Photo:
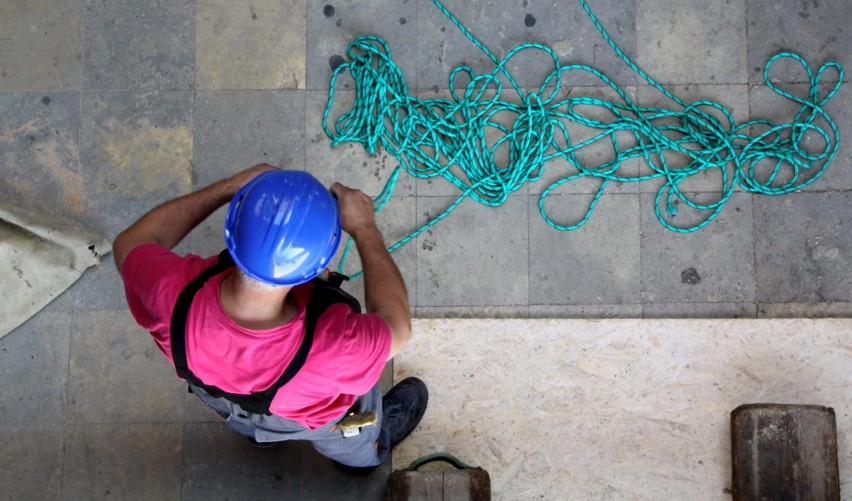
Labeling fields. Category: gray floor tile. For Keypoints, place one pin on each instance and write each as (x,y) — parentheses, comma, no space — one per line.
(31,461)
(766,104)
(840,309)
(118,375)
(147,45)
(498,24)
(712,265)
(502,25)
(699,310)
(692,41)
(257,46)
(819,31)
(803,247)
(221,464)
(733,97)
(333,24)
(592,265)
(586,311)
(39,153)
(100,288)
(35,352)
(126,461)
(571,34)
(41,45)
(476,256)
(136,152)
(473,311)
(348,163)
(235,130)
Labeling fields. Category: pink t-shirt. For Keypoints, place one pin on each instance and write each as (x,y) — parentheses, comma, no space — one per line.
(346,359)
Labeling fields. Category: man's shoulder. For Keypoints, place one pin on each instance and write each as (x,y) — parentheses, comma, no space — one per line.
(153,258)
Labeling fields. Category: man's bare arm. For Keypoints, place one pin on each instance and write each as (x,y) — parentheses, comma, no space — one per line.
(170,222)
(384,289)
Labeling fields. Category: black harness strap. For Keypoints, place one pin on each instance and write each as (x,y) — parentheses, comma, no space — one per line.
(323,295)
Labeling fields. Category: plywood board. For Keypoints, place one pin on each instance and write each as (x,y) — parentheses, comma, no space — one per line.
(616,409)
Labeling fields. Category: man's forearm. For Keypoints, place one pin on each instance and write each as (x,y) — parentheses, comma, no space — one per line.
(170,222)
(384,288)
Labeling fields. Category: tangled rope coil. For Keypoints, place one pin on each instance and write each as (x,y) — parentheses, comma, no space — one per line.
(454,138)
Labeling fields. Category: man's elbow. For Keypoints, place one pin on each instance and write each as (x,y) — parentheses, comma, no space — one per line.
(400,336)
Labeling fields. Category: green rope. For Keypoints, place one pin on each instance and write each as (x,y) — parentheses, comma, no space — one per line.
(439,137)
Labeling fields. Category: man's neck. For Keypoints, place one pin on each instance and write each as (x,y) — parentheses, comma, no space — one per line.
(255,308)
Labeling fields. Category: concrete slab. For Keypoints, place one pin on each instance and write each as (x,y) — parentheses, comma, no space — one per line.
(126,461)
(42,45)
(347,163)
(37,352)
(692,41)
(135,146)
(234,130)
(146,45)
(222,464)
(591,265)
(616,409)
(703,310)
(567,29)
(586,311)
(31,461)
(839,309)
(477,256)
(333,24)
(713,265)
(99,289)
(472,312)
(257,46)
(499,24)
(117,374)
(802,248)
(40,154)
(819,31)
(218,463)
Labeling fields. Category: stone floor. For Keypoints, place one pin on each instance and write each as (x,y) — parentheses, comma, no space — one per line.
(110,107)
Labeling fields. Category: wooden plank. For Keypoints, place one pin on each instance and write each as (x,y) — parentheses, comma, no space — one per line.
(784,452)
(450,485)
(415,486)
(467,485)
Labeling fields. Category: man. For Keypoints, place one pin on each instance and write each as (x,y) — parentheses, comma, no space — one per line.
(240,331)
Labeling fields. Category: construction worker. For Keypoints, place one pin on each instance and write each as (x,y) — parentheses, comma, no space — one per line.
(263,342)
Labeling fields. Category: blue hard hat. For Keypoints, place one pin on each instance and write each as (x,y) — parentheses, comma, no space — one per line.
(282,227)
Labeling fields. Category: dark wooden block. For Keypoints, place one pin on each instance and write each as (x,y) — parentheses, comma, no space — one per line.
(784,452)
(462,484)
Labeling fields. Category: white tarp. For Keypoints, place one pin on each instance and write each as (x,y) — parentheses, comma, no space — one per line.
(39,259)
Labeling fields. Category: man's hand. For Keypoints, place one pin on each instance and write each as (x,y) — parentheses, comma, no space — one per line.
(173,220)
(240,179)
(384,289)
(356,209)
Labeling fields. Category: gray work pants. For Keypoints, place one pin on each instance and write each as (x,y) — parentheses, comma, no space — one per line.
(369,448)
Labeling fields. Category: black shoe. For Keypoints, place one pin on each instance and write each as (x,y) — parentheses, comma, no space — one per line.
(261,445)
(403,408)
